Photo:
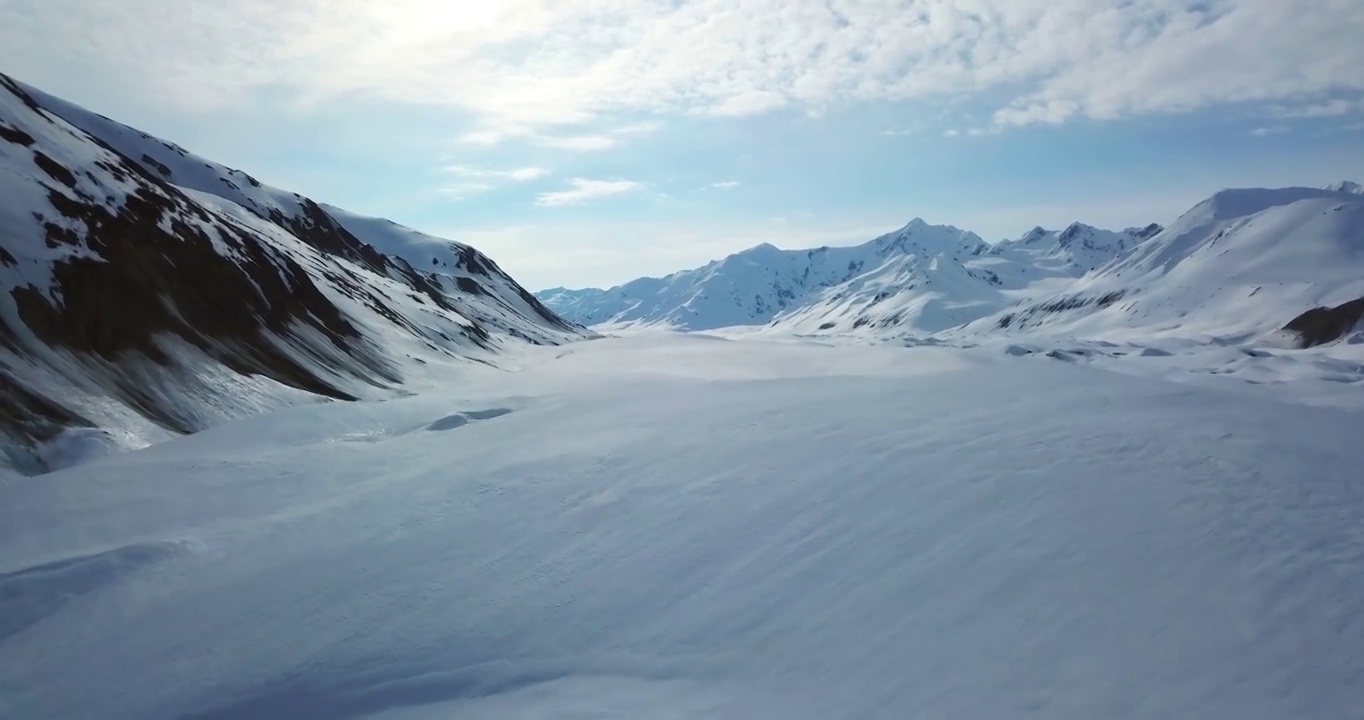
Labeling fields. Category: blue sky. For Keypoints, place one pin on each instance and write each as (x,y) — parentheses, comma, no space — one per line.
(587,143)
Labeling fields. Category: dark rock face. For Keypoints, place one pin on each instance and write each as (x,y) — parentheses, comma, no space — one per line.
(1064,304)
(1322,325)
(120,267)
(175,282)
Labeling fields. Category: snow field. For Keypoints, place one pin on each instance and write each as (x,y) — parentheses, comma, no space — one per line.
(666,525)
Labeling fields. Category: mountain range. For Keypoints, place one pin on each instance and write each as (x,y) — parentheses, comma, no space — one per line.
(147,292)
(1244,263)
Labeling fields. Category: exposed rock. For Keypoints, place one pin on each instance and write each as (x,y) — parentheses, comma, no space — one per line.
(1322,325)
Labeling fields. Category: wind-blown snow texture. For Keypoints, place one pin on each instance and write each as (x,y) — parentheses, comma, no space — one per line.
(146,292)
(675,525)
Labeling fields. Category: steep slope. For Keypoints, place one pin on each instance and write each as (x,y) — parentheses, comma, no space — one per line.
(1240,264)
(146,292)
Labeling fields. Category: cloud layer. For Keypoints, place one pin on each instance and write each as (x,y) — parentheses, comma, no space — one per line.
(536,64)
(582,190)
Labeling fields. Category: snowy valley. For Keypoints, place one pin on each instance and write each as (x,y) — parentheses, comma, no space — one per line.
(268,459)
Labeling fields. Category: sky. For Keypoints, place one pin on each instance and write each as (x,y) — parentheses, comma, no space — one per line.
(589,142)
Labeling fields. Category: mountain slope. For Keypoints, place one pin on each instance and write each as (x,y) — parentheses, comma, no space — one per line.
(1240,264)
(928,289)
(754,286)
(921,277)
(146,292)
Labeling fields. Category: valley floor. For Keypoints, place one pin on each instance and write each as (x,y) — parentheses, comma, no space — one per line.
(661,525)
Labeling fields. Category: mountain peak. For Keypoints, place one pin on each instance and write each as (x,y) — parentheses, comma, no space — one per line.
(1072,231)
(1346,186)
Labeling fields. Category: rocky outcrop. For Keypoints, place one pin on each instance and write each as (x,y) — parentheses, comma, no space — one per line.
(1322,325)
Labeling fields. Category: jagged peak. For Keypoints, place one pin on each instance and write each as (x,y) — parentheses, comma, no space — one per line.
(1346,186)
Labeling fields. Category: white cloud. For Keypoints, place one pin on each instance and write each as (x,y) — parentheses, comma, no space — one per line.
(747,102)
(1269,130)
(541,65)
(518,175)
(1335,107)
(474,181)
(724,185)
(582,190)
(951,133)
(577,143)
(605,140)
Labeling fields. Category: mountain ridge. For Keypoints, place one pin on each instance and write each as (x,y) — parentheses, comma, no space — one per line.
(146,292)
(1289,251)
(733,291)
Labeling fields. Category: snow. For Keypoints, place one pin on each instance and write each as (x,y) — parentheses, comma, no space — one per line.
(422,306)
(757,285)
(922,277)
(690,525)
(1238,265)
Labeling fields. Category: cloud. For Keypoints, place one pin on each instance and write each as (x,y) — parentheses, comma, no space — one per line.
(582,190)
(724,185)
(1331,108)
(537,66)
(1270,130)
(605,140)
(951,133)
(748,102)
(474,181)
(577,143)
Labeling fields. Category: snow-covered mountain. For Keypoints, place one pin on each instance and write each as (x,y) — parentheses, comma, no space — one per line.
(146,292)
(928,289)
(922,277)
(1270,265)
(1245,263)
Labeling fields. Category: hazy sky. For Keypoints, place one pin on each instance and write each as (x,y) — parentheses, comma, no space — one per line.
(586,142)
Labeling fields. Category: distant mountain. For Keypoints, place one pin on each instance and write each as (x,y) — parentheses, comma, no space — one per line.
(145,291)
(1279,265)
(1244,263)
(929,288)
(921,277)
